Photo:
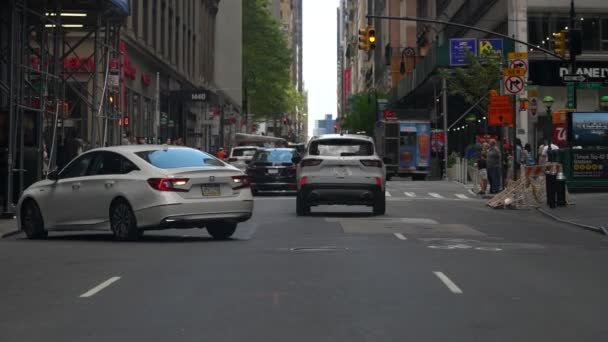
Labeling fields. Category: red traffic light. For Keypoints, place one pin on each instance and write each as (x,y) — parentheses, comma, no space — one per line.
(390,115)
(126,121)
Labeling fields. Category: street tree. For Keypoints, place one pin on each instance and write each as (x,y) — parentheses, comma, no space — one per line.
(361,112)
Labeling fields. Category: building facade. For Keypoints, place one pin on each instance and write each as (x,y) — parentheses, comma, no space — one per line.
(325,126)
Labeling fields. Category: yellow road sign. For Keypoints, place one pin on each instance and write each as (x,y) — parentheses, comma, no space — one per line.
(514,72)
(514,55)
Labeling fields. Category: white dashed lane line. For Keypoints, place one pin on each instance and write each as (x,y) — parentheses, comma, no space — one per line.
(409,194)
(99,287)
(448,282)
(436,195)
(462,196)
(400,236)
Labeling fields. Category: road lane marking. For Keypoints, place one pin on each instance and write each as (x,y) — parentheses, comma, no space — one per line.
(99,287)
(416,220)
(400,236)
(434,194)
(448,283)
(462,196)
(472,192)
(388,194)
(409,194)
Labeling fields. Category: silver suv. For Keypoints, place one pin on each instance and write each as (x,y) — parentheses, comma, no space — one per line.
(341,169)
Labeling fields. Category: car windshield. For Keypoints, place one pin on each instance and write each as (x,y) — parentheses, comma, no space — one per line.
(174,158)
(274,156)
(341,148)
(243,152)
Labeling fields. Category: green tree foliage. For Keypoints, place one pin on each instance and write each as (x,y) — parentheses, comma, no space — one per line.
(476,80)
(266,62)
(361,113)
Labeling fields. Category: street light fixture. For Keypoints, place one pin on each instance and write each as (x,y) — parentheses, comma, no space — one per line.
(548,101)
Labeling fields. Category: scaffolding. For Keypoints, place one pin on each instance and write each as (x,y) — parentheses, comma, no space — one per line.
(60,78)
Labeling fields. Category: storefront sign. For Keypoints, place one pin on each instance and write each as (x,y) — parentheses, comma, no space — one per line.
(590,164)
(550,73)
(589,129)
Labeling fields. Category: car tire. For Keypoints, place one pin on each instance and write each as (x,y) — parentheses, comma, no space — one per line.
(32,222)
(123,222)
(221,230)
(380,205)
(302,208)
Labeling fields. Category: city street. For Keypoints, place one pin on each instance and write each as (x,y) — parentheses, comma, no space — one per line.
(439,266)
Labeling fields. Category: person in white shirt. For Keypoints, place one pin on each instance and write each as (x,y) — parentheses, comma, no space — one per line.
(544,157)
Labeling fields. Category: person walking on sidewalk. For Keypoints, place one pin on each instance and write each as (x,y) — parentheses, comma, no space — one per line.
(483,173)
(493,166)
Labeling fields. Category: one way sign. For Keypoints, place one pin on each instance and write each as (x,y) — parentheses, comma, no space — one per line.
(514,85)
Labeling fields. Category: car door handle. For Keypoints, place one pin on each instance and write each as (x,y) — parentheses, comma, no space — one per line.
(75,186)
(109,184)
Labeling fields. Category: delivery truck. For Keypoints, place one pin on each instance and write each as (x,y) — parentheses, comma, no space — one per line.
(405,147)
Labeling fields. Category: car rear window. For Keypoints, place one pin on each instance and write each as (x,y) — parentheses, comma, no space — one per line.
(243,152)
(174,158)
(274,156)
(341,148)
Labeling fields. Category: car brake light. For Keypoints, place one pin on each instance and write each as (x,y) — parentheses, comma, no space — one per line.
(303,180)
(232,159)
(379,181)
(371,163)
(168,184)
(310,162)
(241,181)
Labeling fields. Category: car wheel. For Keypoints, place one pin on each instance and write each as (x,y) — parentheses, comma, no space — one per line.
(302,208)
(31,221)
(221,230)
(380,205)
(123,222)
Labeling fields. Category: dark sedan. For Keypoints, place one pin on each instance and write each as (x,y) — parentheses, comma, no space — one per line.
(272,169)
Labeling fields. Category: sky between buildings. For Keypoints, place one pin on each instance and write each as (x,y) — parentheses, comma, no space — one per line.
(320,58)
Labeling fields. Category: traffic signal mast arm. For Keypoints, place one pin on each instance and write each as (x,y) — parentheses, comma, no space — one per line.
(443,22)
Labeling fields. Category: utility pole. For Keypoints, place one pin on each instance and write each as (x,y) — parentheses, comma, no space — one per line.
(444,94)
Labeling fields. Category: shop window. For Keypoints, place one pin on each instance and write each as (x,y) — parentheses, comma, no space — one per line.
(591,27)
(604,34)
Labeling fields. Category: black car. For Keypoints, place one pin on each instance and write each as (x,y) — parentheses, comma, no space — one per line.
(272,169)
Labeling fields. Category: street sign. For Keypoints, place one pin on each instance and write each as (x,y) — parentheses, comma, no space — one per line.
(513,72)
(533,108)
(500,111)
(570,88)
(574,78)
(515,55)
(514,85)
(459,48)
(489,47)
(519,63)
(590,86)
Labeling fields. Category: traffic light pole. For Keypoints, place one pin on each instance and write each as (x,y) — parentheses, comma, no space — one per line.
(572,52)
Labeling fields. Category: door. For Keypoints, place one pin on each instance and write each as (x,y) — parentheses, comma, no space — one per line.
(67,195)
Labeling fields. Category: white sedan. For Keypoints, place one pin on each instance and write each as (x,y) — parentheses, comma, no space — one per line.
(129,189)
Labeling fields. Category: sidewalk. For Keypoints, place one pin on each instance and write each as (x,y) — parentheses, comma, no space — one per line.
(7,227)
(588,210)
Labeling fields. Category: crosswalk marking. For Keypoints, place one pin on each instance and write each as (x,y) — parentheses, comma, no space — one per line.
(388,194)
(409,194)
(436,195)
(462,196)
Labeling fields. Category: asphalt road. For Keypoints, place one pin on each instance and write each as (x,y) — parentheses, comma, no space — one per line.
(438,267)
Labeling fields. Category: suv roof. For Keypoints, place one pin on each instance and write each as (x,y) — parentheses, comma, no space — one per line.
(343,136)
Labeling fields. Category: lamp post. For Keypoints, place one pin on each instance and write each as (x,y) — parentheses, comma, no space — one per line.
(548,101)
(604,102)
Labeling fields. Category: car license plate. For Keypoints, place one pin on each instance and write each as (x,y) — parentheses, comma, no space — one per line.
(273,171)
(340,172)
(211,190)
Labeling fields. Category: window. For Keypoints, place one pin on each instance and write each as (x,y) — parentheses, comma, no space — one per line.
(146,18)
(604,35)
(274,156)
(78,167)
(135,15)
(110,163)
(173,158)
(154,26)
(172,51)
(591,28)
(163,33)
(243,152)
(341,148)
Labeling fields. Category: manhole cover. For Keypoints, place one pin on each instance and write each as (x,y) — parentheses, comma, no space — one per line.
(318,249)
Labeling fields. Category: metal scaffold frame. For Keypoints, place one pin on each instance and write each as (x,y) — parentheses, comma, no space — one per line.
(43,85)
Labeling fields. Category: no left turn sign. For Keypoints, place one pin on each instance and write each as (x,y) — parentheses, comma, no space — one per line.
(514,85)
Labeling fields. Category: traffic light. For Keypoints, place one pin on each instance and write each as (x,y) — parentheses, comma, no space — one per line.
(363,40)
(575,41)
(371,37)
(559,43)
(126,121)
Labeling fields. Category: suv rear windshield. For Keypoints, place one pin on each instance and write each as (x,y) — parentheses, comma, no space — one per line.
(274,156)
(341,148)
(174,158)
(243,152)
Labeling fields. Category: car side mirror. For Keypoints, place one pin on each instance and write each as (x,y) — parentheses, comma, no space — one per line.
(296,159)
(53,175)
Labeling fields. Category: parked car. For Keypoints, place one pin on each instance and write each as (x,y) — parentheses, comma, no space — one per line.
(133,188)
(341,169)
(240,156)
(273,169)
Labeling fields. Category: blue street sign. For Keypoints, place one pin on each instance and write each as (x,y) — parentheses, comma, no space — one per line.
(487,46)
(459,48)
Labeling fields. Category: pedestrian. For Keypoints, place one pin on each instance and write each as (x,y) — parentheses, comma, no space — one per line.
(528,155)
(541,147)
(519,159)
(179,142)
(482,168)
(221,154)
(493,166)
(128,138)
(141,141)
(168,141)
(546,155)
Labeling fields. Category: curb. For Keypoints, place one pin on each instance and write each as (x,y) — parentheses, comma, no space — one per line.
(11,233)
(600,230)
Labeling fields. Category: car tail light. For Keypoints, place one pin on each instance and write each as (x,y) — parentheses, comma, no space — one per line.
(232,159)
(371,163)
(241,181)
(303,180)
(310,162)
(168,184)
(379,181)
